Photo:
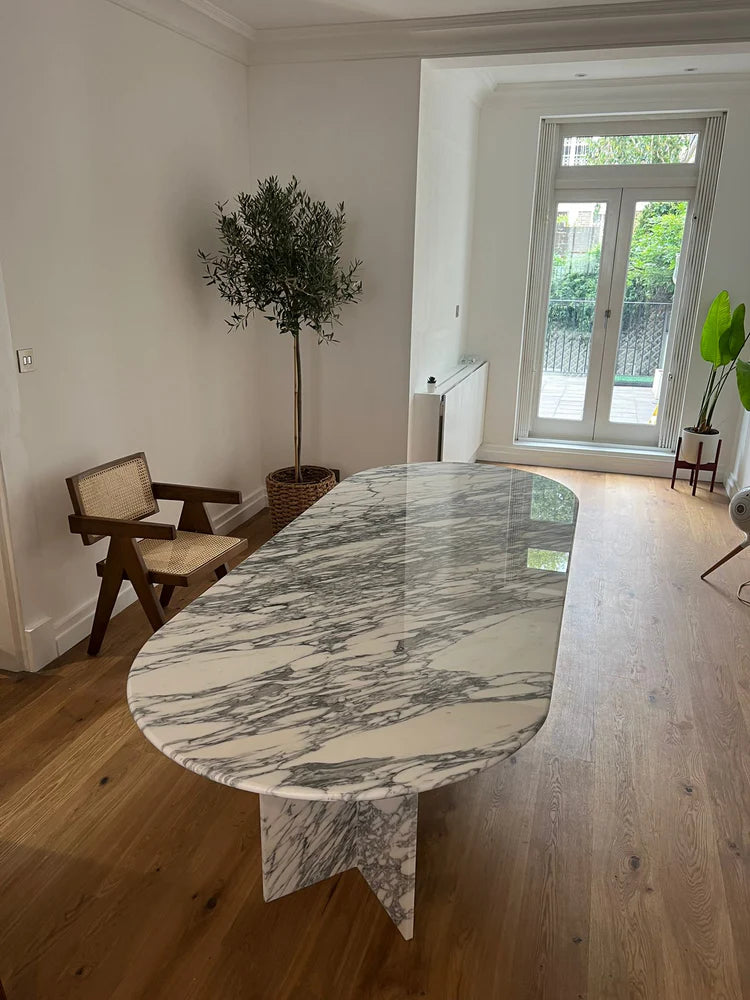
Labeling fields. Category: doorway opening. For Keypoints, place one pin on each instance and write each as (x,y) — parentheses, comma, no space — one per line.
(619,223)
(611,296)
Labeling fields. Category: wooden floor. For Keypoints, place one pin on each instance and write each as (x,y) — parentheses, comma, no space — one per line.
(609,859)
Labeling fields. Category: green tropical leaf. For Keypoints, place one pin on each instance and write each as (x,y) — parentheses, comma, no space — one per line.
(743,382)
(736,335)
(718,322)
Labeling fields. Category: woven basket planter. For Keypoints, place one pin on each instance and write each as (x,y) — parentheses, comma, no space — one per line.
(287,499)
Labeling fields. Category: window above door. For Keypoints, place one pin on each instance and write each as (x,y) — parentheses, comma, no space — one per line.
(625,153)
(629,150)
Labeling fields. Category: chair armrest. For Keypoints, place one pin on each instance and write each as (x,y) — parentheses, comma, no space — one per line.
(199,494)
(81,524)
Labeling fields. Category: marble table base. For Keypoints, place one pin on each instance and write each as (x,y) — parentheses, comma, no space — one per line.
(305,842)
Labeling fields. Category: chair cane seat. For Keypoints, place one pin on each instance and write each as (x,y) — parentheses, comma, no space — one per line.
(110,500)
(187,553)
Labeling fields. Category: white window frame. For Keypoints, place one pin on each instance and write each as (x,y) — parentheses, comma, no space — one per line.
(553,179)
(547,428)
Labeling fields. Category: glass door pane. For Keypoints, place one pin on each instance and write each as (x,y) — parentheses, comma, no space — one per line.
(650,280)
(574,286)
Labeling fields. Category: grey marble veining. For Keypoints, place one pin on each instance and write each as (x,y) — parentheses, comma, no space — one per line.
(400,635)
(387,855)
(306,842)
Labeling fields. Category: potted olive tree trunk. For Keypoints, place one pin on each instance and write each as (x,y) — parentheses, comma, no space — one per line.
(722,340)
(281,255)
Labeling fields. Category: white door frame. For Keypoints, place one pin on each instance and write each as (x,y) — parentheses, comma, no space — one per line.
(594,425)
(646,435)
(583,429)
(552,178)
(8,570)
(13,476)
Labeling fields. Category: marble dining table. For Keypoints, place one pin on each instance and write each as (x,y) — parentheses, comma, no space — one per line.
(398,636)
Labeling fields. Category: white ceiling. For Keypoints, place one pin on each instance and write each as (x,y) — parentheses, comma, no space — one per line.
(302,13)
(680,61)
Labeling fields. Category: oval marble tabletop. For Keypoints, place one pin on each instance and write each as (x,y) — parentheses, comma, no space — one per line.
(400,635)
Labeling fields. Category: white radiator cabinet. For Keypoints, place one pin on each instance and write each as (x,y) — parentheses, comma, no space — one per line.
(448,421)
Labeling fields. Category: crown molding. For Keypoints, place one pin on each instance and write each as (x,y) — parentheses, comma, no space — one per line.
(222,16)
(572,28)
(646,96)
(576,27)
(199,20)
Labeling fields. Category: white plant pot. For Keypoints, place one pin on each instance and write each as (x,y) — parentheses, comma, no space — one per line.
(690,442)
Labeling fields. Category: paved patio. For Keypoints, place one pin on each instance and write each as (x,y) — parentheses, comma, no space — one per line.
(562,398)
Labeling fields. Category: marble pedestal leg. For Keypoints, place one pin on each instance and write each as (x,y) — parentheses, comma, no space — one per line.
(305,842)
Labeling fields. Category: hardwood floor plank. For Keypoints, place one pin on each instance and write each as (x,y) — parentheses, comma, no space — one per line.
(608,860)
(626,952)
(551,955)
(720,740)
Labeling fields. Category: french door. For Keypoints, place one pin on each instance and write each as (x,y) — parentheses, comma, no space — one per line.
(613,294)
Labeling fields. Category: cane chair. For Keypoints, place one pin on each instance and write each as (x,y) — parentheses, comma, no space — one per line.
(110,501)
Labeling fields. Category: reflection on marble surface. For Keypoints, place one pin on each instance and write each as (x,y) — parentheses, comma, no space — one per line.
(392,639)
(306,842)
(400,635)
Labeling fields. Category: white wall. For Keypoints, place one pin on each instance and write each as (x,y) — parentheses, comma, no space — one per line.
(348,131)
(118,136)
(505,182)
(446,169)
(739,477)
(448,130)
(13,505)
(7,637)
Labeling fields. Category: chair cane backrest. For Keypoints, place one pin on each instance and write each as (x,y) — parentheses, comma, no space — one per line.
(120,489)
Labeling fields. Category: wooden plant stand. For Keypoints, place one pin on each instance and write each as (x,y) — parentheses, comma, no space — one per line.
(696,467)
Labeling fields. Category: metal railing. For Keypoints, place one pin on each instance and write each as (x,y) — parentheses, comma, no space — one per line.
(643,336)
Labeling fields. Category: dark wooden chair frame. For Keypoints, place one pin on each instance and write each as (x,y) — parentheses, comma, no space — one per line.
(124,560)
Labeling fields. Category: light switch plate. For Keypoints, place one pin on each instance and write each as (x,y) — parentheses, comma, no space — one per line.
(25,360)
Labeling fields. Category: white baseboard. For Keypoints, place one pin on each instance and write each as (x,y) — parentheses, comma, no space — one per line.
(251,505)
(569,456)
(77,625)
(41,648)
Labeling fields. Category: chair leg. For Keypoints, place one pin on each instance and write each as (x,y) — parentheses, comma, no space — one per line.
(221,571)
(730,555)
(110,588)
(133,564)
(166,594)
(147,597)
